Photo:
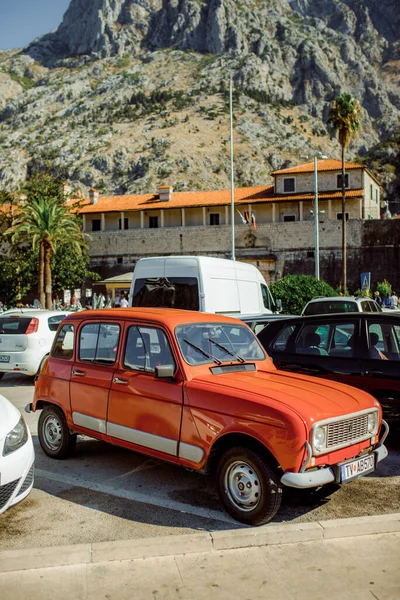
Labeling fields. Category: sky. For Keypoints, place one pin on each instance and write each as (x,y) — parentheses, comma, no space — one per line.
(21,21)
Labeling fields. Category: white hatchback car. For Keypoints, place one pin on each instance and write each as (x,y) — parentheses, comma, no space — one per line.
(26,338)
(17,456)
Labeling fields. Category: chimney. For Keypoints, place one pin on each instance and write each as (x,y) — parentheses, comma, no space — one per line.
(165,193)
(93,196)
(67,189)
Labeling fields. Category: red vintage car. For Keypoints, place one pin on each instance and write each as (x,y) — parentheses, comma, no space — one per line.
(198,390)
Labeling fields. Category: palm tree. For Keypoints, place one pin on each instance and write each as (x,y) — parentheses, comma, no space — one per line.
(344,118)
(47,223)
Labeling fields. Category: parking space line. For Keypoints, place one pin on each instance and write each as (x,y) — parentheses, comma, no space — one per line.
(137,497)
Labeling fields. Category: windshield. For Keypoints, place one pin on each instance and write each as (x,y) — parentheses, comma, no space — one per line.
(203,343)
(325,307)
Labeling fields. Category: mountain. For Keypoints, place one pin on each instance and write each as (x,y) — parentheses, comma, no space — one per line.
(126,94)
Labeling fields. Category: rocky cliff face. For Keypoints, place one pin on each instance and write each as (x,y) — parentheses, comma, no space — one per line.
(122,68)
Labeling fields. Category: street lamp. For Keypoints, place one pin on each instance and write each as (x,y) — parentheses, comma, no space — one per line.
(316,211)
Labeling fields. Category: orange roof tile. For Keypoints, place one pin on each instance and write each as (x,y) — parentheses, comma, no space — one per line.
(178,200)
(250,195)
(330,164)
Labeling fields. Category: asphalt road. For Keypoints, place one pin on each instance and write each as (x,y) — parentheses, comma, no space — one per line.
(107,493)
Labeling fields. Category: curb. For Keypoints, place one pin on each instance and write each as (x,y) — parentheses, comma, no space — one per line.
(266,535)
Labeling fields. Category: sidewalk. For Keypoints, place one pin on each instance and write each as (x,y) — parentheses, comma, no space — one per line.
(343,559)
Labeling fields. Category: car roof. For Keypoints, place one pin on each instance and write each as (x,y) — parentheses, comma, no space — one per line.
(33,312)
(347,316)
(338,298)
(167,316)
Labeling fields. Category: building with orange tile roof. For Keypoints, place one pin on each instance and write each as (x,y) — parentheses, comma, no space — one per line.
(290,198)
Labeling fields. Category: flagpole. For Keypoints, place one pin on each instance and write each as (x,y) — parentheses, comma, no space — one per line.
(232,180)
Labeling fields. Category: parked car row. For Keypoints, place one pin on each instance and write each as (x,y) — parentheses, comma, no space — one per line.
(198,390)
(360,349)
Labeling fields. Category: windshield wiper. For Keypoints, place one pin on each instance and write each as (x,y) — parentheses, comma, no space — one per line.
(203,352)
(239,358)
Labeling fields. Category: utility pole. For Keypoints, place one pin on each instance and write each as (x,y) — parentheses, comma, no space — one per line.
(232,178)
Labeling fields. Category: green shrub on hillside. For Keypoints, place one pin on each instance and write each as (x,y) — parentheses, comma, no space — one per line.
(296,290)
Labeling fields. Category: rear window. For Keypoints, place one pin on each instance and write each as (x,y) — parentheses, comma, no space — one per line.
(325,307)
(171,292)
(53,322)
(14,325)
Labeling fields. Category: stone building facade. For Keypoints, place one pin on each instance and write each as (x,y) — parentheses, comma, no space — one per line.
(274,225)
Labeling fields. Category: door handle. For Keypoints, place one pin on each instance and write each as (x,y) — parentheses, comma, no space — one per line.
(375,372)
(120,381)
(80,373)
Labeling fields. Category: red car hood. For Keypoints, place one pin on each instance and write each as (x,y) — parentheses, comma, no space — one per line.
(314,399)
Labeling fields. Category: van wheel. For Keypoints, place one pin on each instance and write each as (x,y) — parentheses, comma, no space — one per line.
(248,486)
(54,435)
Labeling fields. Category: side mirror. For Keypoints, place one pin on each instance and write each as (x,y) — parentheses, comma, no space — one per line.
(278,304)
(164,372)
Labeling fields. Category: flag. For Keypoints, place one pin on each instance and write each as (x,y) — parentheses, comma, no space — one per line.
(242,217)
(247,216)
(253,220)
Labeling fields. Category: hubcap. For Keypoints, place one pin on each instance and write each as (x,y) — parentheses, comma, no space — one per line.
(52,432)
(243,486)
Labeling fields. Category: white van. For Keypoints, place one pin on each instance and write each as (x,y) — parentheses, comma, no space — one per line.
(214,285)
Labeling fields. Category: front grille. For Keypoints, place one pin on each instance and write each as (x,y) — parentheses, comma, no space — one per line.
(28,481)
(347,431)
(6,492)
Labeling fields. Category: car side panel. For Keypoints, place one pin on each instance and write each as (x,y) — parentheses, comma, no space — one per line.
(53,384)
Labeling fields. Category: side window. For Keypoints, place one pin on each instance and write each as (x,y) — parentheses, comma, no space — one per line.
(365,307)
(53,322)
(384,341)
(343,340)
(266,296)
(64,343)
(313,340)
(147,348)
(98,342)
(283,338)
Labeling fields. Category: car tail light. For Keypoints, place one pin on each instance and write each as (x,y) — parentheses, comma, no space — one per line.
(33,326)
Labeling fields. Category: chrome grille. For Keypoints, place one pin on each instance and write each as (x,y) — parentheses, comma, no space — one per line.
(347,431)
(6,492)
(28,481)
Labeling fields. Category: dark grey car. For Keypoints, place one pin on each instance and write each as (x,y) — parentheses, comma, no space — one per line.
(360,349)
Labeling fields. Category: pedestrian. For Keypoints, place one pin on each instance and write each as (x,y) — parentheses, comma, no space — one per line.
(117,301)
(394,301)
(386,301)
(100,301)
(123,302)
(378,298)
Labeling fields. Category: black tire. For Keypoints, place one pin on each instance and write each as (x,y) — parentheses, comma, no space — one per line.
(1,375)
(54,436)
(260,497)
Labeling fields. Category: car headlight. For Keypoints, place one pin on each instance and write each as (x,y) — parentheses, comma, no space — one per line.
(373,423)
(17,437)
(319,438)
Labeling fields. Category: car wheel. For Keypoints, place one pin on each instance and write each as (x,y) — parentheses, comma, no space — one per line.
(1,375)
(248,486)
(54,435)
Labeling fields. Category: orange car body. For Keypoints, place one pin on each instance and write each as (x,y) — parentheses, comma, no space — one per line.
(183,418)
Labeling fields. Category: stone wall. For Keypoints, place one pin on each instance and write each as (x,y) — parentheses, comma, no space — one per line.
(276,248)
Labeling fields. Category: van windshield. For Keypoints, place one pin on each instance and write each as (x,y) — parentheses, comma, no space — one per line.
(163,292)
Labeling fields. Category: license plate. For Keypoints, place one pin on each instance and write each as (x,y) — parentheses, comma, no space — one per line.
(358,467)
(4,358)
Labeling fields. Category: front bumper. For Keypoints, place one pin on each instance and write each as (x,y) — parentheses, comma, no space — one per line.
(17,475)
(319,477)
